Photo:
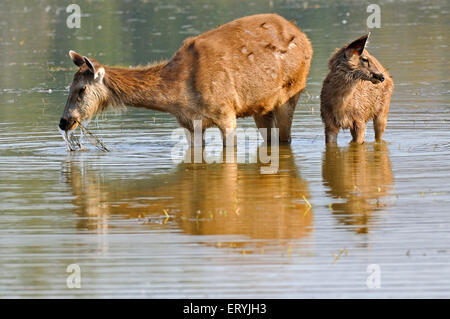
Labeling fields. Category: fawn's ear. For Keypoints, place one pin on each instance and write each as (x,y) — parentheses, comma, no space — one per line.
(357,46)
(76,58)
(98,71)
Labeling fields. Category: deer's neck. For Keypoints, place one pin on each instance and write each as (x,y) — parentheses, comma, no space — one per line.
(342,88)
(139,87)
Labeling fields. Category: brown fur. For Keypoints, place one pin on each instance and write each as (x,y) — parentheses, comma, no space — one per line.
(352,94)
(254,66)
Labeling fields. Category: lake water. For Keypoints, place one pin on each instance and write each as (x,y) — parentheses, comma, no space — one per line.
(139,224)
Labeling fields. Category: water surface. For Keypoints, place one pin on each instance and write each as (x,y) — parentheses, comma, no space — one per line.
(140,225)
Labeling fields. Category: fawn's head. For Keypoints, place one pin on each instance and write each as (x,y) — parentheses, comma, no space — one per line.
(87,95)
(358,62)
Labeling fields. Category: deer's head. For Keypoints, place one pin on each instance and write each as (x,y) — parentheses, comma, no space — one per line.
(361,63)
(87,95)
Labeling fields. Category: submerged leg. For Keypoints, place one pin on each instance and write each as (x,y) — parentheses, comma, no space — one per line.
(265,123)
(379,125)
(358,132)
(195,138)
(331,133)
(283,116)
(228,129)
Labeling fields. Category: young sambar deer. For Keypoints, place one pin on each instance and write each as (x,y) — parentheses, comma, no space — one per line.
(254,66)
(356,89)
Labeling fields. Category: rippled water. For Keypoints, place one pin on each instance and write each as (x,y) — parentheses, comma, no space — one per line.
(140,225)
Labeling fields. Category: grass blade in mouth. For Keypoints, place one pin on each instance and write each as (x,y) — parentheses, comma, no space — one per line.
(93,139)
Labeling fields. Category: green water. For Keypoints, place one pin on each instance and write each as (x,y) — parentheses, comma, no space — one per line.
(140,225)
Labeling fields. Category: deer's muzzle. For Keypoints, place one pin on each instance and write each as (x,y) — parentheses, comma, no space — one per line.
(67,124)
(377,78)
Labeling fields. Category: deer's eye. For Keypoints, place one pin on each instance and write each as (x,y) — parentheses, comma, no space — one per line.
(80,93)
(365,60)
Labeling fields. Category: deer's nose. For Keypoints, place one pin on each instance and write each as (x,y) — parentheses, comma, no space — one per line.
(65,124)
(379,76)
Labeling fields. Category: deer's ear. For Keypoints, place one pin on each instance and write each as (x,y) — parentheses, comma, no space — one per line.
(357,46)
(76,58)
(98,72)
(89,64)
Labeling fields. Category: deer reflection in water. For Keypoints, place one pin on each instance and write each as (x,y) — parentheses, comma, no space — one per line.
(360,178)
(201,199)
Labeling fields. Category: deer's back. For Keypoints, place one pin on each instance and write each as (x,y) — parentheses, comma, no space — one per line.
(252,64)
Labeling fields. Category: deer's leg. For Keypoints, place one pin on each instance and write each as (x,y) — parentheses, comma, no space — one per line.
(380,119)
(358,132)
(228,129)
(283,116)
(265,123)
(189,136)
(379,125)
(194,138)
(195,132)
(331,133)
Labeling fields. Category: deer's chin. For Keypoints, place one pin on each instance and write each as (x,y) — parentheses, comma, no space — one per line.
(74,126)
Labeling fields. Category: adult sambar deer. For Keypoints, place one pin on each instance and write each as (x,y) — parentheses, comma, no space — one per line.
(356,89)
(254,66)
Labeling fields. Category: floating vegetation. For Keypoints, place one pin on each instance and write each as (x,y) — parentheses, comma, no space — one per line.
(167,216)
(308,205)
(342,252)
(73,142)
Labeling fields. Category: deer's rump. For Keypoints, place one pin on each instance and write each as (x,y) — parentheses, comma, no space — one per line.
(251,65)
